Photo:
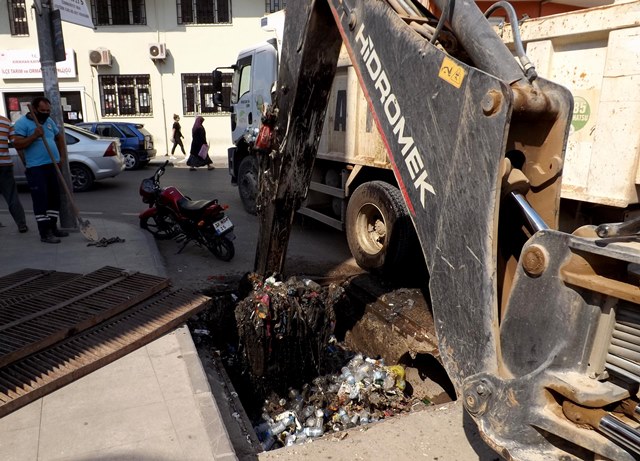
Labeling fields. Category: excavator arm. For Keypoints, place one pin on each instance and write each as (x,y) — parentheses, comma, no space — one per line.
(525,314)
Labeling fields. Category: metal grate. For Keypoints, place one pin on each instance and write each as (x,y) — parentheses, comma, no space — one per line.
(29,283)
(32,377)
(37,322)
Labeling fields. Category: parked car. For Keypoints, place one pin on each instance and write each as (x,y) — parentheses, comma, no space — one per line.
(136,143)
(91,158)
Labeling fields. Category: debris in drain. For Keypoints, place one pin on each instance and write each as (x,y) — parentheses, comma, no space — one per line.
(276,338)
(364,392)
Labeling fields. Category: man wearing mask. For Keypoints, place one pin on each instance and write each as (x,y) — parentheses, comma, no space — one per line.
(40,171)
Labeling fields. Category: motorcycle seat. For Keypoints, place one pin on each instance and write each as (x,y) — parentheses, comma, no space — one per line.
(195,205)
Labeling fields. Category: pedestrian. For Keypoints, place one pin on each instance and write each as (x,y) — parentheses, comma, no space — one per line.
(176,135)
(7,181)
(199,139)
(40,170)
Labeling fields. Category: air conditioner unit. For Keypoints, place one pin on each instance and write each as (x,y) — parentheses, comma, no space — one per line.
(100,57)
(157,50)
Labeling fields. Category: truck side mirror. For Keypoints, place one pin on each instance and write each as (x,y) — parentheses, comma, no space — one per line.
(217,98)
(217,80)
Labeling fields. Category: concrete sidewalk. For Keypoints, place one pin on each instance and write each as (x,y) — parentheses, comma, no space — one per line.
(153,404)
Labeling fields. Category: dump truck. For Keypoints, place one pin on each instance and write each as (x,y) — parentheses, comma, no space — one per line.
(352,166)
(538,328)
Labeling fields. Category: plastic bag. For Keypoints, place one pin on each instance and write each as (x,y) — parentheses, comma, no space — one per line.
(204,151)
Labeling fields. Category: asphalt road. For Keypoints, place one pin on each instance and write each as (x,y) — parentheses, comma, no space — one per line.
(314,249)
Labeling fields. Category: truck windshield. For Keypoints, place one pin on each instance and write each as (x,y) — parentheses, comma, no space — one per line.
(241,79)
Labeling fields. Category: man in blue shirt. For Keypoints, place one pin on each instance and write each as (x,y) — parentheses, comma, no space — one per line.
(40,170)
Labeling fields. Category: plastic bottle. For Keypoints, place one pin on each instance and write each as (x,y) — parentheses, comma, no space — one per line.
(344,417)
(378,377)
(268,443)
(263,430)
(356,361)
(279,427)
(311,285)
(308,411)
(310,422)
(290,440)
(362,371)
(313,431)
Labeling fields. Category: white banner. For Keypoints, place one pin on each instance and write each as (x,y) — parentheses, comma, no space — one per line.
(21,64)
(74,11)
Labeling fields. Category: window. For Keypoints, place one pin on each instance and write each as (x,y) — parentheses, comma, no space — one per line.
(197,94)
(271,6)
(241,79)
(18,17)
(118,12)
(204,11)
(123,95)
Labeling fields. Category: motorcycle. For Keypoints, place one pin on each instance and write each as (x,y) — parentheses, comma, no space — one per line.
(174,215)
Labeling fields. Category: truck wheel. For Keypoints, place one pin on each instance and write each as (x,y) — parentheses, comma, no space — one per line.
(248,183)
(379,230)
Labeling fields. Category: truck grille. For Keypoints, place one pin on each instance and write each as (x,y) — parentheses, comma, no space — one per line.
(623,357)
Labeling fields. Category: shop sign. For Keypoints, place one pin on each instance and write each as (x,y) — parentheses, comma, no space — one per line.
(74,11)
(21,64)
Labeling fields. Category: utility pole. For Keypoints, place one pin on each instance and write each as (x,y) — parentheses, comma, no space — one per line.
(46,41)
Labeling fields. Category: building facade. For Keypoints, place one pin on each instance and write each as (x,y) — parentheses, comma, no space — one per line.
(143,61)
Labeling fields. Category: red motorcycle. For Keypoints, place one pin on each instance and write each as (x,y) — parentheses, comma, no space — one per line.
(174,215)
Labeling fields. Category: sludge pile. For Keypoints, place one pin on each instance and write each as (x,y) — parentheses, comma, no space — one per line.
(284,328)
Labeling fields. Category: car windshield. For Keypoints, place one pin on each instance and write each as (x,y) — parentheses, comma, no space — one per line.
(80,130)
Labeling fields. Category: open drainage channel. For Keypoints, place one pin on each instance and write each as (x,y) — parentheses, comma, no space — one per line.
(309,359)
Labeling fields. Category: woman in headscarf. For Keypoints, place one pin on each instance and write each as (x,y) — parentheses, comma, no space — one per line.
(199,138)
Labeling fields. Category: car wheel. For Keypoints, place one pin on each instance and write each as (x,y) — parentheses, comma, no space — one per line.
(81,177)
(131,161)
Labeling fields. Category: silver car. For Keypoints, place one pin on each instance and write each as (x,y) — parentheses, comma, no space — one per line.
(91,158)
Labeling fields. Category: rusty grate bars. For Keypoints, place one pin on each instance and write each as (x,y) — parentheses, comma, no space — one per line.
(32,377)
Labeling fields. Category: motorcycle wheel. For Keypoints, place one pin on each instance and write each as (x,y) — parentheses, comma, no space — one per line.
(221,247)
(163,227)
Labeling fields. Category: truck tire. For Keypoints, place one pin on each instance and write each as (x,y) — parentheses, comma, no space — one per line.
(248,183)
(379,230)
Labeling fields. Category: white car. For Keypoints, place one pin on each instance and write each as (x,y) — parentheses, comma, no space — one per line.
(91,158)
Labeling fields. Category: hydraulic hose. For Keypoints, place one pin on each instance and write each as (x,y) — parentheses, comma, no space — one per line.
(487,51)
(527,65)
(443,17)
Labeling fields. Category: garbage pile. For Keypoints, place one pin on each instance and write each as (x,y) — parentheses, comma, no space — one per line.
(284,328)
(365,391)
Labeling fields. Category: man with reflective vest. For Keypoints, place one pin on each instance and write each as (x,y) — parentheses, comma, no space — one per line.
(8,187)
(41,174)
